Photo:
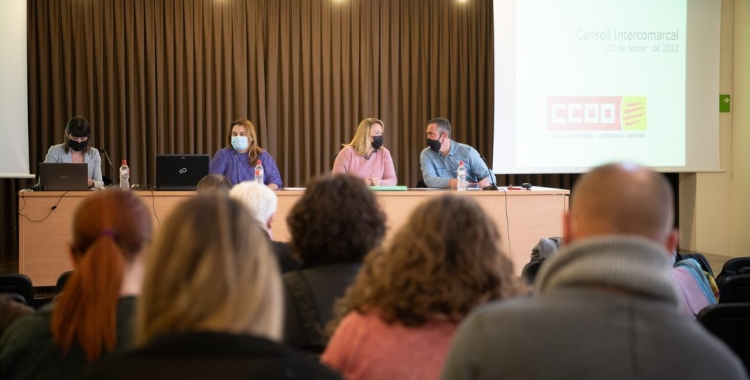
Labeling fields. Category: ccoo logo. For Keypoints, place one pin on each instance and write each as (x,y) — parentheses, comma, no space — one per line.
(596,113)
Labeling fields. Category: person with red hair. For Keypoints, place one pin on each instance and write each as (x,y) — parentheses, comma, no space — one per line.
(91,317)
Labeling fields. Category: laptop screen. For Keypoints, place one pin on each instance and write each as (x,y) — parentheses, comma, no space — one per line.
(63,176)
(180,171)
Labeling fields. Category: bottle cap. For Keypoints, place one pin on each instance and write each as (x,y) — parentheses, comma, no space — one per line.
(258,162)
(124,162)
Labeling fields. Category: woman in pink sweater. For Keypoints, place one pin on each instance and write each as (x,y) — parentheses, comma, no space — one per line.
(410,295)
(365,156)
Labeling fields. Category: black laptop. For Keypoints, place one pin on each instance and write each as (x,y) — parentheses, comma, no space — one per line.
(63,176)
(180,171)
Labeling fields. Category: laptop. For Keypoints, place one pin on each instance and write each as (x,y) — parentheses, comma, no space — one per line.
(63,176)
(180,171)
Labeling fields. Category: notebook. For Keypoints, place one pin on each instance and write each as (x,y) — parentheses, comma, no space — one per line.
(180,171)
(63,176)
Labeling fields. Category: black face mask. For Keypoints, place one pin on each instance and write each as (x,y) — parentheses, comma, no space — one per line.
(77,146)
(434,144)
(377,142)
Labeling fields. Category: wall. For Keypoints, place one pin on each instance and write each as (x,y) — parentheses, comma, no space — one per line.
(714,207)
(740,193)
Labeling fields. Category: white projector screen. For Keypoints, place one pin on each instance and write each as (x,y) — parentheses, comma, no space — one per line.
(14,106)
(579,83)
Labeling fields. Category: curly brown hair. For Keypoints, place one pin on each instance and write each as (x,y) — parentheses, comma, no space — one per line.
(443,262)
(337,220)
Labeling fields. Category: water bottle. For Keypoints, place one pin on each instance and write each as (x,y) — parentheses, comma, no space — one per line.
(124,176)
(259,173)
(461,177)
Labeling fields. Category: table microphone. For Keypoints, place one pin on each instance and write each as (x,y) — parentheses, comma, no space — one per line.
(493,186)
(104,152)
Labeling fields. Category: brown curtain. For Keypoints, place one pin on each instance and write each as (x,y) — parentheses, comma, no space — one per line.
(167,76)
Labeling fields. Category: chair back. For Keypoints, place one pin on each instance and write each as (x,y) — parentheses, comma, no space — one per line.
(731,324)
(735,289)
(699,258)
(530,270)
(61,281)
(735,266)
(18,284)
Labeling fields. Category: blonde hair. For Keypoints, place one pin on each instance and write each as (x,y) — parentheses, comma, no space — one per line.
(445,260)
(254,150)
(210,268)
(361,140)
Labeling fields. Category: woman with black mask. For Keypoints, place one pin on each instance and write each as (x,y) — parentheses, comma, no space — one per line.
(365,156)
(75,149)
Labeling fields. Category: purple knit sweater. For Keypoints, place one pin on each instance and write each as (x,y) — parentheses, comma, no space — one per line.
(237,167)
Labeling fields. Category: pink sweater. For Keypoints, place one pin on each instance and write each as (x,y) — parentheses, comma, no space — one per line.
(366,348)
(379,165)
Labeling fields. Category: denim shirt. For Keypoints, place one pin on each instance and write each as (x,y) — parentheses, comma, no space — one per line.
(437,170)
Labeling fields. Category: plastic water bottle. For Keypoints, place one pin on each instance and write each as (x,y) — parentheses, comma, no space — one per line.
(461,176)
(259,174)
(124,175)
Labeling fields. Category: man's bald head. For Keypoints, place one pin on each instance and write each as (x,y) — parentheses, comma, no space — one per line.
(622,199)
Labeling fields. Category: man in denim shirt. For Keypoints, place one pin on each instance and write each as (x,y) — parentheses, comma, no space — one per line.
(441,158)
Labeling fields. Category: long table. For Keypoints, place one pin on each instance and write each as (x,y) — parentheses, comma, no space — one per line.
(44,220)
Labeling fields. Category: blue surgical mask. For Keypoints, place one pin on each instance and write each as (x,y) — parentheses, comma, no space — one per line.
(240,143)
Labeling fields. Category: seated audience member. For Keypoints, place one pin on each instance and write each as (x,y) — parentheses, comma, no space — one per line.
(214,184)
(91,318)
(333,226)
(75,149)
(10,310)
(365,156)
(410,295)
(262,202)
(238,159)
(211,306)
(696,292)
(606,306)
(442,156)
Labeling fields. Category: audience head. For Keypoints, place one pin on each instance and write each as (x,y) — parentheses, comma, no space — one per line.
(110,231)
(214,184)
(338,219)
(210,269)
(365,135)
(77,133)
(622,199)
(445,260)
(259,199)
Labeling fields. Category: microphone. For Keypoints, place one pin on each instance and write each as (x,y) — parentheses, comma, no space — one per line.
(104,152)
(493,185)
(236,168)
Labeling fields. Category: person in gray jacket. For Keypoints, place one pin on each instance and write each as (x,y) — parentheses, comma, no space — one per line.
(605,307)
(76,149)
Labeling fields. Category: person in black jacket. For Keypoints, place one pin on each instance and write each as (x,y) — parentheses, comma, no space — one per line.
(333,226)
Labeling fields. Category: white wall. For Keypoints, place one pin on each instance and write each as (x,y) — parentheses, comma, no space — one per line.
(740,194)
(715,207)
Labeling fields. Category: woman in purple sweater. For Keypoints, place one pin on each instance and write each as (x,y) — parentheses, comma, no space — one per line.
(238,159)
(365,156)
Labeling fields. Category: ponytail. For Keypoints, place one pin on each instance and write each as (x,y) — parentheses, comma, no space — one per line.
(86,312)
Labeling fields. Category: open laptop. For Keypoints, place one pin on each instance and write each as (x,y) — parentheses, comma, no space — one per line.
(180,171)
(63,176)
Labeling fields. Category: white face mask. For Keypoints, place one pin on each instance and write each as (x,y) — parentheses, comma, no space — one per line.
(240,142)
